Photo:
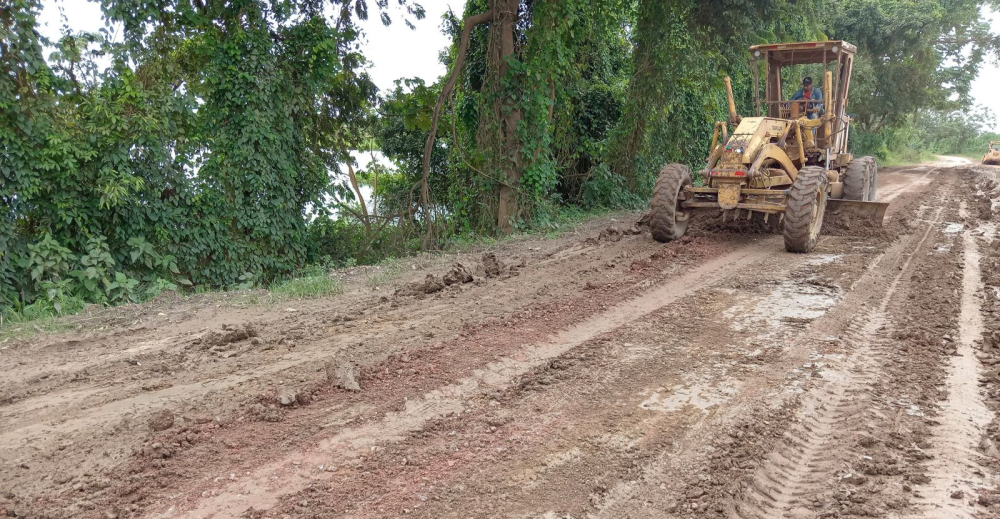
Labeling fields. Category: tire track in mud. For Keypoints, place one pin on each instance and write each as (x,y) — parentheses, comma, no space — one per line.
(801,468)
(955,469)
(840,402)
(266,485)
(890,193)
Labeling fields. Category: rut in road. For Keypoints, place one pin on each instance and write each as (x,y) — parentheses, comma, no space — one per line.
(801,468)
(955,469)
(264,487)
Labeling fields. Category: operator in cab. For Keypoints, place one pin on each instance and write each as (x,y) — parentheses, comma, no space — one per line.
(808,92)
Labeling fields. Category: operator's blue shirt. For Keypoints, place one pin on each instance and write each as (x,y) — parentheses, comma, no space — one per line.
(815,95)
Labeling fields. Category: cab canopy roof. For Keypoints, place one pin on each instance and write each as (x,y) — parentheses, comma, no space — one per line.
(803,53)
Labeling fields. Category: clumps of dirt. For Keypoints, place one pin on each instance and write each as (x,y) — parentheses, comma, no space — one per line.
(706,223)
(269,407)
(343,375)
(841,224)
(230,341)
(228,335)
(643,222)
(429,285)
(161,421)
(458,274)
(615,234)
(492,265)
(986,202)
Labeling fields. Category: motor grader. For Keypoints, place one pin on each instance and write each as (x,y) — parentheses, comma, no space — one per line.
(790,160)
(992,156)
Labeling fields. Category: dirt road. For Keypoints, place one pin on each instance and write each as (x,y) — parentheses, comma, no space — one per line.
(595,374)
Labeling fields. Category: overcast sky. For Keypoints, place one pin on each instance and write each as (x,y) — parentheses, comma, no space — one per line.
(394,51)
(397,52)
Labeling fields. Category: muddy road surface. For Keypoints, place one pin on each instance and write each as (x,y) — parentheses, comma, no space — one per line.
(596,374)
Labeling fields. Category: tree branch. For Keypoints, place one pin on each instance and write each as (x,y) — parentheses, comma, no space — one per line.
(449,85)
(361,198)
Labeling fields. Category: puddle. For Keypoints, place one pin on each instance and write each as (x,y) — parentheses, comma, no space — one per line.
(823,259)
(787,304)
(667,400)
(954,228)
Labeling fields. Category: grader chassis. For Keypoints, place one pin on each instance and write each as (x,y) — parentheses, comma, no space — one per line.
(790,160)
(992,156)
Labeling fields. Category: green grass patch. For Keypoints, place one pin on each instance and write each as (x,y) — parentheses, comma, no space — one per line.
(311,283)
(907,156)
(308,287)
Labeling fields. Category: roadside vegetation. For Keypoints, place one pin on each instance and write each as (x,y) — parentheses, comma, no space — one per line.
(215,152)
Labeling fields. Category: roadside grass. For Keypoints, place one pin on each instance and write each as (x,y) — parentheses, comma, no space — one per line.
(308,283)
(906,156)
(15,326)
(387,272)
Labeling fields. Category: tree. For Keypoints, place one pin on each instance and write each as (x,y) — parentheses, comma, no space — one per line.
(912,55)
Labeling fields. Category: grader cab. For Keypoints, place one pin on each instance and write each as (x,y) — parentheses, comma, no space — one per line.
(790,160)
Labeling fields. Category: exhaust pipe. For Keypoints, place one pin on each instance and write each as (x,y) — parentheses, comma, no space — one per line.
(733,117)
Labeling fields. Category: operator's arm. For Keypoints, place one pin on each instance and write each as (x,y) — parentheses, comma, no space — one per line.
(799,94)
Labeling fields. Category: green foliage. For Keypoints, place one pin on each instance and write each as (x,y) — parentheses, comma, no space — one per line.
(199,156)
(929,132)
(913,55)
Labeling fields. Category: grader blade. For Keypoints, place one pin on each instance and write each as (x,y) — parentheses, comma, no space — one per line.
(873,212)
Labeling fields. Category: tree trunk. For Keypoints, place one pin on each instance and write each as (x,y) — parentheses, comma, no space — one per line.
(505,21)
(366,220)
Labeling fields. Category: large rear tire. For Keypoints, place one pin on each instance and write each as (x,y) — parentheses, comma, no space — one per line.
(804,212)
(857,179)
(873,178)
(668,219)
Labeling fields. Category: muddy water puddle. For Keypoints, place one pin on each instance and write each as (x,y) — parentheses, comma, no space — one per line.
(790,303)
(953,227)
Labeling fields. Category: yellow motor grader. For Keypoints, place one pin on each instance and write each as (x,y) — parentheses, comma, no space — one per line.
(992,156)
(790,160)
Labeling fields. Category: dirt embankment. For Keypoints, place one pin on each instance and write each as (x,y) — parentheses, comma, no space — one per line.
(597,374)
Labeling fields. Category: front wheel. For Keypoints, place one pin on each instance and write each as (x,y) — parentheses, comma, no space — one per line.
(804,212)
(668,218)
(857,179)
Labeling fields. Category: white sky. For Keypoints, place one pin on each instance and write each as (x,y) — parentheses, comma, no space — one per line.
(397,52)
(984,88)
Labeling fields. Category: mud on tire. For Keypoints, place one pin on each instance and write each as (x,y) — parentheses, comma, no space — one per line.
(857,179)
(804,212)
(668,220)
(872,178)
